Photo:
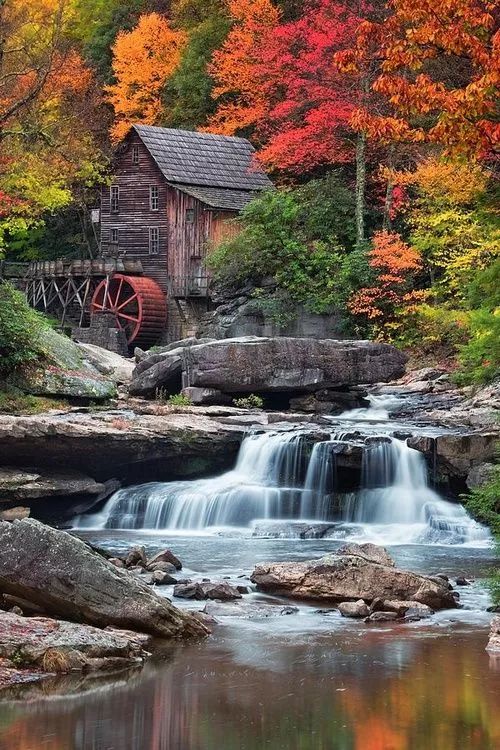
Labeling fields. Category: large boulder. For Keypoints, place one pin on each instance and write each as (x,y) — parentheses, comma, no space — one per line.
(350,577)
(252,364)
(65,577)
(65,373)
(160,371)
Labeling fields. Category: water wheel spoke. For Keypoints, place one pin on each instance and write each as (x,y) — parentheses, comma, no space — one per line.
(128,317)
(117,295)
(124,304)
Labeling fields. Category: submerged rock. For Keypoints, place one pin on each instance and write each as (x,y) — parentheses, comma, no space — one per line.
(248,610)
(221,591)
(340,577)
(63,575)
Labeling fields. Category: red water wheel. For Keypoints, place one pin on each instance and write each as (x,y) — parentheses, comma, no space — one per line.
(138,305)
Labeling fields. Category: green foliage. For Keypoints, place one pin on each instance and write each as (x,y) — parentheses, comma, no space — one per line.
(480,357)
(431,326)
(15,401)
(293,237)
(174,399)
(21,330)
(484,504)
(252,401)
(187,98)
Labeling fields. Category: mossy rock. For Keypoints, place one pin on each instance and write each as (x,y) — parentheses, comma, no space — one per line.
(64,373)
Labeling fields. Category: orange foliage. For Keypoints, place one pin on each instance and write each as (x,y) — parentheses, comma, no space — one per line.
(395,262)
(143,59)
(234,65)
(415,48)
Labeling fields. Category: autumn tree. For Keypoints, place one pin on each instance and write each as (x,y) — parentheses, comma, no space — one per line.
(143,60)
(241,88)
(48,115)
(394,264)
(438,72)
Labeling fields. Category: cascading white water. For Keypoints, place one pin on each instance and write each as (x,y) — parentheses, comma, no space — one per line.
(395,492)
(275,479)
(265,483)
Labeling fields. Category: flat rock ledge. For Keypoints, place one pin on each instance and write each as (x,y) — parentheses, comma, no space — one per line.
(356,572)
(34,647)
(64,578)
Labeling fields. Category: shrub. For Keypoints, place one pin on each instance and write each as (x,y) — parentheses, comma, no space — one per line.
(480,357)
(303,239)
(484,504)
(175,399)
(249,402)
(21,330)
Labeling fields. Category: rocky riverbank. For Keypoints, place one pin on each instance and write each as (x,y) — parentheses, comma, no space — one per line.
(66,607)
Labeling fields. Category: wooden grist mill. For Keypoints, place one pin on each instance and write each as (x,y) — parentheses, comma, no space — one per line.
(75,290)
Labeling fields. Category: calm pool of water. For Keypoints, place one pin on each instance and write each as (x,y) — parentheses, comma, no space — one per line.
(308,681)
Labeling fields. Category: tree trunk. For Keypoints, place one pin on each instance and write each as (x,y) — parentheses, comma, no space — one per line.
(360,187)
(389,193)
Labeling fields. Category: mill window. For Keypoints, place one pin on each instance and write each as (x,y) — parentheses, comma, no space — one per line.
(113,199)
(189,215)
(154,240)
(154,198)
(135,154)
(113,236)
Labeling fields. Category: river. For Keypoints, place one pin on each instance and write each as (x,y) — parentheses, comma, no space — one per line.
(310,679)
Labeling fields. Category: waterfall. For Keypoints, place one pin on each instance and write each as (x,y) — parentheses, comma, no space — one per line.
(395,491)
(278,476)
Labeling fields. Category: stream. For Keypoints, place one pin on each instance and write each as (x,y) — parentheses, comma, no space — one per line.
(304,678)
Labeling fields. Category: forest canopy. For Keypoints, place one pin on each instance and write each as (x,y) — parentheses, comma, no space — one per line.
(377,121)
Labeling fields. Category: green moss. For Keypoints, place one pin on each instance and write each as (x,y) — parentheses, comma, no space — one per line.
(15,401)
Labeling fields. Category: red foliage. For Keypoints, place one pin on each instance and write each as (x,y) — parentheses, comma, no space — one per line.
(287,86)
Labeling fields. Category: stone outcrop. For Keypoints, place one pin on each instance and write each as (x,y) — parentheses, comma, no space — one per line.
(116,445)
(349,577)
(42,491)
(456,455)
(267,365)
(494,639)
(58,646)
(65,577)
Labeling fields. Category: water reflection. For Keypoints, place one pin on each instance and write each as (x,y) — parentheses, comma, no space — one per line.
(369,690)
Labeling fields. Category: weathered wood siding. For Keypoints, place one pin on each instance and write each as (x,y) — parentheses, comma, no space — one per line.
(187,226)
(134,216)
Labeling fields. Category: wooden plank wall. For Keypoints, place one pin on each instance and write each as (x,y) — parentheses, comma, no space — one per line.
(183,244)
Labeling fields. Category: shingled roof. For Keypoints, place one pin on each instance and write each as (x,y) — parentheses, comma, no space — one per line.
(219,170)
